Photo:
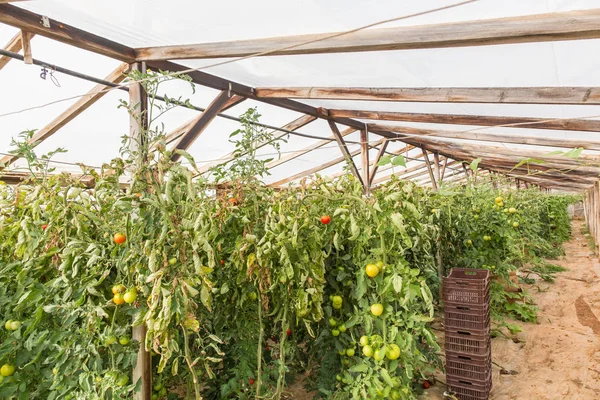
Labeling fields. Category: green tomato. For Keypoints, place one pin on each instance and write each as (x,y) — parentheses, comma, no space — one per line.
(338,378)
(8,325)
(379,354)
(367,351)
(364,340)
(332,321)
(157,386)
(98,379)
(252,296)
(124,340)
(172,261)
(154,396)
(122,380)
(342,328)
(469,242)
(54,371)
(337,300)
(377,309)
(7,370)
(14,325)
(515,224)
(110,339)
(512,210)
(342,352)
(335,332)
(350,352)
(130,296)
(282,279)
(337,306)
(163,392)
(392,352)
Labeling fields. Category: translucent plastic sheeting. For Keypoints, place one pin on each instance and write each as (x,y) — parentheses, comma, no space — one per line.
(94,136)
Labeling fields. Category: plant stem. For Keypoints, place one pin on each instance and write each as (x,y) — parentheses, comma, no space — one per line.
(188,360)
(281,378)
(260,338)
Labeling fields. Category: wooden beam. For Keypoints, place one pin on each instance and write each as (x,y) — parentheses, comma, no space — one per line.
(26,43)
(444,169)
(382,149)
(364,152)
(61,32)
(80,106)
(138,108)
(17,177)
(316,169)
(429,170)
(221,102)
(573,124)
(342,144)
(491,137)
(504,95)
(292,126)
(296,154)
(14,46)
(436,168)
(570,25)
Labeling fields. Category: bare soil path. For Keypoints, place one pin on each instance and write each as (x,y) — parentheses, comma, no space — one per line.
(559,357)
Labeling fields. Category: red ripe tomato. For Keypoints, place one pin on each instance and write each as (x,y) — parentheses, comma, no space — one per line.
(119,238)
(325,219)
(251,381)
(233,201)
(289,332)
(44,227)
(426,384)
(267,348)
(222,262)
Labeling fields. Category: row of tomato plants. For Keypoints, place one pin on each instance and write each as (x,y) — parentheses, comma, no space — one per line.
(238,290)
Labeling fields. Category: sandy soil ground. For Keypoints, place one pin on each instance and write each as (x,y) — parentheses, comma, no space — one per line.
(559,357)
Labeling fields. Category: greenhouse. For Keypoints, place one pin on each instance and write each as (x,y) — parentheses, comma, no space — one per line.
(299,200)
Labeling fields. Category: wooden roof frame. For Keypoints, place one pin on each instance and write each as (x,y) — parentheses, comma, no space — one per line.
(524,29)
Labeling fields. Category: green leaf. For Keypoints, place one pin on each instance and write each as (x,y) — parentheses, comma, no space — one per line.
(386,376)
(399,160)
(385,160)
(359,368)
(474,164)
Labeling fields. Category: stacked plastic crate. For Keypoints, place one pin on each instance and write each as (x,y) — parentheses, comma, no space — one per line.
(467,332)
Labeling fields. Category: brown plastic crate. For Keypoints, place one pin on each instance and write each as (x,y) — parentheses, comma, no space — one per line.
(467,342)
(460,366)
(467,317)
(467,286)
(466,390)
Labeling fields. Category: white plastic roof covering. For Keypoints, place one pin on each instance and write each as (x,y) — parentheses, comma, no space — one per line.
(94,136)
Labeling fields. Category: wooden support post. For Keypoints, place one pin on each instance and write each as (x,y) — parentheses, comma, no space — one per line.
(26,43)
(436,168)
(430,170)
(138,102)
(364,151)
(382,149)
(15,45)
(444,169)
(342,144)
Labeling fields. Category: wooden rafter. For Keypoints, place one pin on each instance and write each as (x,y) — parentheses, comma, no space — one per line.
(80,106)
(292,126)
(14,46)
(572,124)
(569,25)
(504,95)
(490,137)
(221,102)
(61,32)
(344,149)
(436,168)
